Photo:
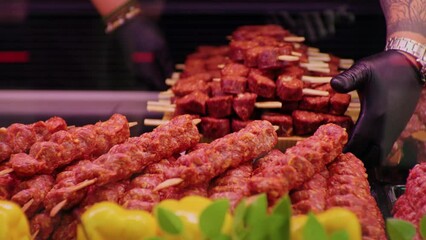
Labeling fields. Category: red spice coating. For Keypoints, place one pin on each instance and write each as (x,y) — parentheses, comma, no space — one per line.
(232,150)
(67,146)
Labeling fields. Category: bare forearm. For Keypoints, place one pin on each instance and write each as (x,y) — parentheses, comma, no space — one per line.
(405,18)
(106,7)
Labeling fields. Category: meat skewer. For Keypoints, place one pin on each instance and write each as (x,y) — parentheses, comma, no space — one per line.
(232,150)
(30,193)
(135,154)
(67,146)
(278,173)
(18,138)
(348,187)
(232,185)
(311,196)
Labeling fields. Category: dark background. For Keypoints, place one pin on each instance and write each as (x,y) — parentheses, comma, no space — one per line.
(68,49)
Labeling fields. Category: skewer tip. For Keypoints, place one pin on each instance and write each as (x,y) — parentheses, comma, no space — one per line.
(168,183)
(132,124)
(57,208)
(82,185)
(6,171)
(34,235)
(196,121)
(27,205)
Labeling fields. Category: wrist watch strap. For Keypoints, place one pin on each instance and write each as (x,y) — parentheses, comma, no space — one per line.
(411,47)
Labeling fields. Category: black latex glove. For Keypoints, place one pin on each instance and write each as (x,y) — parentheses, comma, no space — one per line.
(389,87)
(142,35)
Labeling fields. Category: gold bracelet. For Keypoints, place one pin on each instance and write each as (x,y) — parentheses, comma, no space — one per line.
(123,14)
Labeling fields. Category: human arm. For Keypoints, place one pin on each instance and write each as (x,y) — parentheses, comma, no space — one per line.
(389,84)
(133,27)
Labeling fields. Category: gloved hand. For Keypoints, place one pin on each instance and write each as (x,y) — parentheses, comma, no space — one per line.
(389,87)
(146,52)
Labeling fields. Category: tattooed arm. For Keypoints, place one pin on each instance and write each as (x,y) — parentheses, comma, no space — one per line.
(405,18)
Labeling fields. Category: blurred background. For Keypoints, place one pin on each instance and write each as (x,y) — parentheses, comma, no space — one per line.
(61,44)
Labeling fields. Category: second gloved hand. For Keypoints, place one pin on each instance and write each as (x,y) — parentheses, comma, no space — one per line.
(389,87)
(146,52)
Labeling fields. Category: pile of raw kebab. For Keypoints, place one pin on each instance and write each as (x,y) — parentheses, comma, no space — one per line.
(264,73)
(59,171)
(55,171)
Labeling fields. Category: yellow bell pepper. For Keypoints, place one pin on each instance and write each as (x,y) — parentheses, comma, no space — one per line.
(13,222)
(189,209)
(334,219)
(107,220)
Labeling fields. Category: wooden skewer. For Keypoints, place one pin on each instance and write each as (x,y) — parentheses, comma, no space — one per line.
(132,124)
(296,54)
(58,207)
(168,183)
(319,58)
(314,92)
(158,122)
(269,104)
(288,58)
(180,66)
(27,205)
(312,79)
(295,39)
(167,109)
(34,236)
(82,185)
(319,64)
(312,49)
(317,69)
(154,122)
(171,81)
(6,171)
(318,54)
(161,103)
(175,75)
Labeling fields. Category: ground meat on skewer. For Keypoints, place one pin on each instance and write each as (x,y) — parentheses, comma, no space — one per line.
(43,225)
(277,173)
(66,229)
(19,138)
(35,190)
(310,197)
(67,146)
(236,148)
(232,185)
(348,187)
(177,135)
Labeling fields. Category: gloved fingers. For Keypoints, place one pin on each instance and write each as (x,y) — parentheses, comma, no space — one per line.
(351,79)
